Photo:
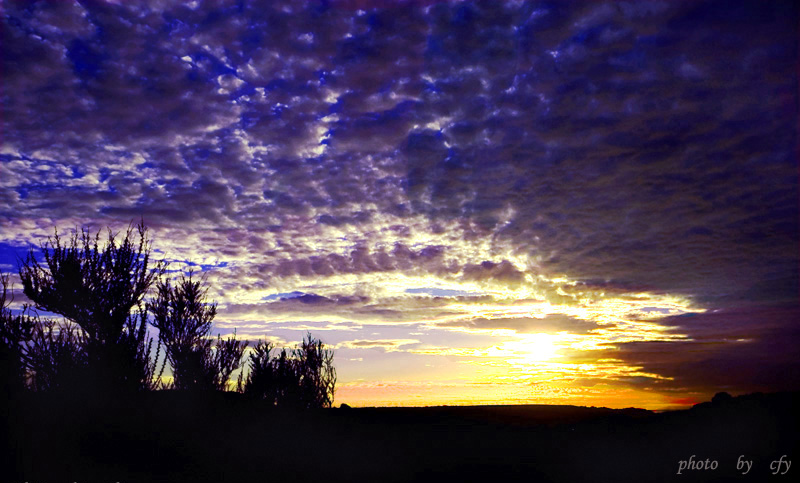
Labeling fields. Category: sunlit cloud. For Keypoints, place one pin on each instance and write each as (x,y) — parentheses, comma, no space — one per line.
(384,344)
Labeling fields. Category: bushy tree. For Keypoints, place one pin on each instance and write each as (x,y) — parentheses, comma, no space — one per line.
(228,356)
(57,358)
(16,331)
(272,379)
(100,290)
(37,353)
(184,318)
(303,377)
(103,342)
(317,374)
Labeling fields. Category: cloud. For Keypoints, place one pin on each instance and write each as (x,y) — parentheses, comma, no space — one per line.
(733,350)
(388,345)
(548,324)
(606,162)
(587,162)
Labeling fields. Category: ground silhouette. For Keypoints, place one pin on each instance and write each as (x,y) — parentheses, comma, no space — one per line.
(174,436)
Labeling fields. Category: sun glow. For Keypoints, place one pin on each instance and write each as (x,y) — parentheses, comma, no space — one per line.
(533,348)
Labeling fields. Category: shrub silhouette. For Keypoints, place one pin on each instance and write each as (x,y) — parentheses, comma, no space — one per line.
(317,374)
(184,318)
(103,346)
(96,289)
(304,377)
(273,379)
(16,332)
(57,359)
(228,356)
(37,353)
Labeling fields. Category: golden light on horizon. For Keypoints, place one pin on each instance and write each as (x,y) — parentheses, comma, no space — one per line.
(473,334)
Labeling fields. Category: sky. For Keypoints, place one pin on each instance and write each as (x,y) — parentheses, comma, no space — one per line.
(471,202)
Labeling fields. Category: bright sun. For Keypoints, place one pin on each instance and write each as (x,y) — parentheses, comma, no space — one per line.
(533,348)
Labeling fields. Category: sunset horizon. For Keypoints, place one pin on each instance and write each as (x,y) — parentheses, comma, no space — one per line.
(468,202)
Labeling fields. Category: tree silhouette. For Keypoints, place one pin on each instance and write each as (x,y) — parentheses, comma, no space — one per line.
(16,331)
(103,342)
(184,318)
(273,379)
(303,377)
(37,353)
(228,356)
(96,288)
(317,374)
(56,358)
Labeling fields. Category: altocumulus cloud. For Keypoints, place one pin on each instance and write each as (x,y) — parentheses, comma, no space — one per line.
(593,169)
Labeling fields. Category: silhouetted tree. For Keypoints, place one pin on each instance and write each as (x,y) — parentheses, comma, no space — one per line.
(57,358)
(303,377)
(16,331)
(37,353)
(96,288)
(228,355)
(273,379)
(317,374)
(184,318)
(260,376)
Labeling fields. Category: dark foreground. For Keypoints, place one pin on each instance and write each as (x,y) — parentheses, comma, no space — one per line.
(171,437)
